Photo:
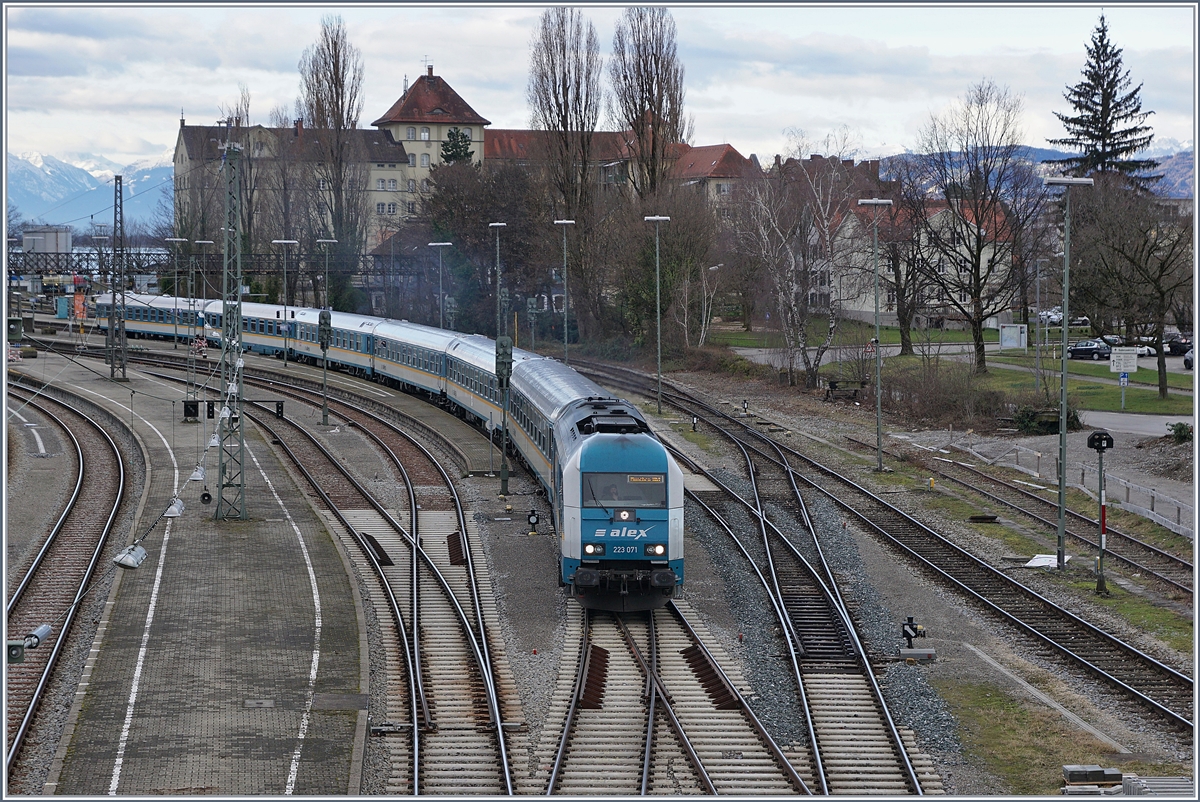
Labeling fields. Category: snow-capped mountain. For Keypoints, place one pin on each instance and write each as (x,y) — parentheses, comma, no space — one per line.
(77,190)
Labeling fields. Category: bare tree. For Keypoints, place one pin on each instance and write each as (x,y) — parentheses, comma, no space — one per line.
(775,226)
(983,197)
(564,96)
(647,94)
(1135,253)
(331,81)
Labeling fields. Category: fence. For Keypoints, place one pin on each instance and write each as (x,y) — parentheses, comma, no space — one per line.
(1147,502)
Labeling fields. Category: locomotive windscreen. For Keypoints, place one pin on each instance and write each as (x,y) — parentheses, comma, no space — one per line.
(625,490)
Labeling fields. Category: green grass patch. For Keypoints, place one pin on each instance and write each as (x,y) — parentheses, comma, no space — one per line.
(1098,370)
(698,438)
(1166,625)
(1090,395)
(1024,744)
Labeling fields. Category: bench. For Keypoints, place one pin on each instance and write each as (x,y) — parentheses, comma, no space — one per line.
(841,388)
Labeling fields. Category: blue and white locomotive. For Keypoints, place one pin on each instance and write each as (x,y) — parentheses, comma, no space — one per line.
(616,494)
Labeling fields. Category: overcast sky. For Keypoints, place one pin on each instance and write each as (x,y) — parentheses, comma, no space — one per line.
(112,81)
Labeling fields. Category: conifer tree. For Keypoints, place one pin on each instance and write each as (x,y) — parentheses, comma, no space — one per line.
(1107,124)
(457,147)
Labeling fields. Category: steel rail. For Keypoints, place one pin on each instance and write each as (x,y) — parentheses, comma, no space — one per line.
(790,770)
(656,689)
(780,613)
(859,649)
(69,616)
(373,559)
(462,526)
(67,510)
(573,708)
(1003,580)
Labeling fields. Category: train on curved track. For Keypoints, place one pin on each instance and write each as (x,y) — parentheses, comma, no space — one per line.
(617,495)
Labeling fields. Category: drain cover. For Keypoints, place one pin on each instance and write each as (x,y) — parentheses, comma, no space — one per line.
(260,703)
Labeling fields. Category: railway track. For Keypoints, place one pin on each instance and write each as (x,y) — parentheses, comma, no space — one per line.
(445,727)
(1138,556)
(55,581)
(651,711)
(853,741)
(1051,627)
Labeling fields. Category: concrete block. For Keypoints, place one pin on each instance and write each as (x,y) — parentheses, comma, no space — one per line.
(919,654)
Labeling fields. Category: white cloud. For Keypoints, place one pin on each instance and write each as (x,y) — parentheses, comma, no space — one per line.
(113,80)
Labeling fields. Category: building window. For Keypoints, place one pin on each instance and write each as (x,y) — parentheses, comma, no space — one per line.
(412,185)
(392,166)
(424,184)
(379,183)
(412,160)
(379,207)
(379,165)
(425,134)
(722,189)
(467,131)
(411,133)
(412,207)
(391,209)
(391,185)
(322,184)
(424,159)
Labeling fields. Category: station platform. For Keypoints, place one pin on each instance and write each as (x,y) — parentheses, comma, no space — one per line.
(222,665)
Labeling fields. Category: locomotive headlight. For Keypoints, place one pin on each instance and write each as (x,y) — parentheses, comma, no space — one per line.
(624,515)
(655,550)
(593,548)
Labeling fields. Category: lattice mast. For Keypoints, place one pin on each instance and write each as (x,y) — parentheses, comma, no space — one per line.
(118,353)
(231,488)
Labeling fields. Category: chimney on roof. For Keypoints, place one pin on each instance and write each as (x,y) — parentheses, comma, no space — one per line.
(298,128)
(429,70)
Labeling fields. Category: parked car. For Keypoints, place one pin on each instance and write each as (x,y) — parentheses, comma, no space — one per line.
(1144,345)
(1178,343)
(1090,349)
(1082,320)
(1187,359)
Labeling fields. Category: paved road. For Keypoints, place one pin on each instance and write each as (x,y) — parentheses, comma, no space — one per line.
(1131,422)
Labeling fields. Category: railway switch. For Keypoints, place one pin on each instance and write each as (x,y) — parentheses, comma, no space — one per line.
(910,629)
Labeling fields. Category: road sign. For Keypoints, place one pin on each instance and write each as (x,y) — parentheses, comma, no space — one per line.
(869,349)
(1124,360)
(1124,379)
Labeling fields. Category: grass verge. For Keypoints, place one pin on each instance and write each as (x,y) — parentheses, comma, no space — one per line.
(1098,370)
(1026,745)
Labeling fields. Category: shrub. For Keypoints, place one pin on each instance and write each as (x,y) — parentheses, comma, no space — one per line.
(1181,432)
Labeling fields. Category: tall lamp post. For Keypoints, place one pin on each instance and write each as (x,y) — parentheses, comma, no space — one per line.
(441,296)
(875,203)
(175,289)
(1062,392)
(658,298)
(564,224)
(497,227)
(285,243)
(327,243)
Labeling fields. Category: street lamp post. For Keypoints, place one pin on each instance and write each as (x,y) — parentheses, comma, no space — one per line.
(327,242)
(1062,393)
(656,219)
(875,203)
(441,295)
(497,227)
(285,243)
(564,224)
(175,289)
(325,339)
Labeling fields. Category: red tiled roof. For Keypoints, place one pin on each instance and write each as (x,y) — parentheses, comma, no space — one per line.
(712,161)
(431,100)
(519,144)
